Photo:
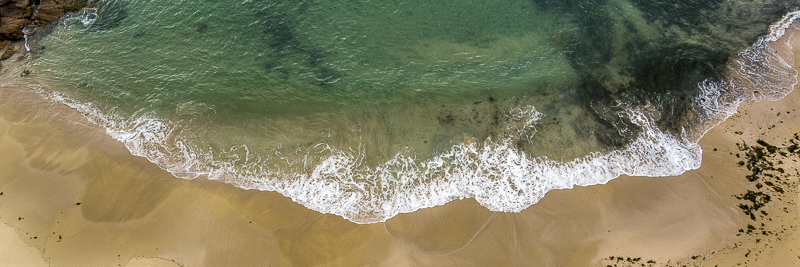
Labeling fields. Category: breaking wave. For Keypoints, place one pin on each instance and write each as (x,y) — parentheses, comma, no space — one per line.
(494,172)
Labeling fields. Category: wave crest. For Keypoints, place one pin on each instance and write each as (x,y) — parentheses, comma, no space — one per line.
(494,172)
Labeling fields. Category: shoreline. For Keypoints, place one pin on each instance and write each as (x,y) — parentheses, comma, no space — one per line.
(76,197)
(470,170)
(129,207)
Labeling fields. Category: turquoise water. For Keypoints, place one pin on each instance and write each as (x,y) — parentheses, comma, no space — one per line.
(369,108)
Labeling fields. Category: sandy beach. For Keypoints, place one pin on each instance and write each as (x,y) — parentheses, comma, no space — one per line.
(72,196)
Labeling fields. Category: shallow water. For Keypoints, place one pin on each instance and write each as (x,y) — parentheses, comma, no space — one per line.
(366,109)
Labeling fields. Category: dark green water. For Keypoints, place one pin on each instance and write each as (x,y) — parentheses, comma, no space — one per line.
(369,108)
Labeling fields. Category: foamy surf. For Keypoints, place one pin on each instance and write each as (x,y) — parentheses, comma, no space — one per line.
(494,172)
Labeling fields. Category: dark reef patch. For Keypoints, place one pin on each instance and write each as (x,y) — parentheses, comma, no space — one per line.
(202,28)
(617,63)
(279,27)
(110,15)
(280,31)
(693,13)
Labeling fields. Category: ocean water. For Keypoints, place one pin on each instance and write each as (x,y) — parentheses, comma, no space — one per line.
(367,109)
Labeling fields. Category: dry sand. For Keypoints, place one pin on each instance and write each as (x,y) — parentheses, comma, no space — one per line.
(72,196)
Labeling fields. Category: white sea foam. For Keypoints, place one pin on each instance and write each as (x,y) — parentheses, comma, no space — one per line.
(85,17)
(495,173)
(758,73)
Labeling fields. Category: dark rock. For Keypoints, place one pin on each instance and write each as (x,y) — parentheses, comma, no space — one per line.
(17,9)
(71,5)
(11,28)
(8,53)
(49,11)
(202,28)
(52,10)
(16,14)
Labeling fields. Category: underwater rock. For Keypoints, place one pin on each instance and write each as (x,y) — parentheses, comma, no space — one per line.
(10,51)
(110,14)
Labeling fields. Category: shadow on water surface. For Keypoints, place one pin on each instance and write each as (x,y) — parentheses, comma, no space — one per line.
(619,59)
(280,29)
(110,15)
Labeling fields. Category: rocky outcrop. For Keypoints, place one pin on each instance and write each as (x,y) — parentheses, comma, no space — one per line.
(16,14)
(52,10)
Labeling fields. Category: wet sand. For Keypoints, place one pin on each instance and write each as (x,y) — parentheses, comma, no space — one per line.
(72,196)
